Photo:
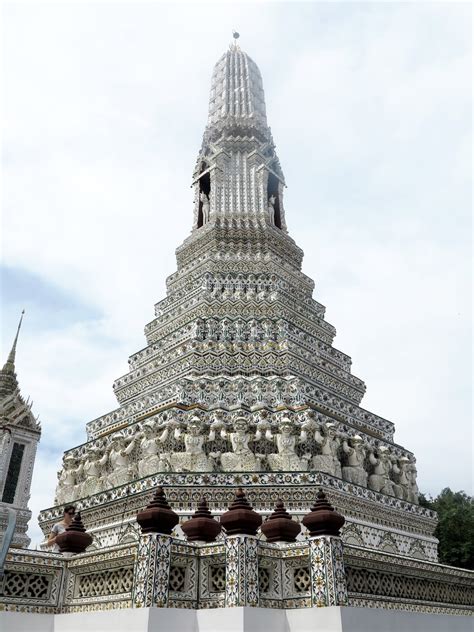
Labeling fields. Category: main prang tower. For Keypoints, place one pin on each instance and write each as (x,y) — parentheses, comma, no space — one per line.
(239,383)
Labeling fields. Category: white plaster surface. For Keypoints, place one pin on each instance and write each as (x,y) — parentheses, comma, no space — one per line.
(367,619)
(333,619)
(315,620)
(126,620)
(26,622)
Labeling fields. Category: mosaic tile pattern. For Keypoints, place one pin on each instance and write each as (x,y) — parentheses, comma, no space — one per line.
(328,585)
(152,572)
(241,571)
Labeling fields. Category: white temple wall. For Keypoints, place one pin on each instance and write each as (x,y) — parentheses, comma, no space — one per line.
(331,619)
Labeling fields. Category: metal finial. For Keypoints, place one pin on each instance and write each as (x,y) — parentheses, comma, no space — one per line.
(234,45)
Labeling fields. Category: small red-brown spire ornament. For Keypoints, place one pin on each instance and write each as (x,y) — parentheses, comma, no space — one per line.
(241,519)
(202,527)
(323,519)
(279,527)
(74,539)
(157,517)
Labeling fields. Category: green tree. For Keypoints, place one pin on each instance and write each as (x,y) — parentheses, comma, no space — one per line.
(455,530)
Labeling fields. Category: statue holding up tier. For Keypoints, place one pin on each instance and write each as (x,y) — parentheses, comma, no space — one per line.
(66,489)
(119,460)
(193,459)
(413,490)
(93,469)
(286,460)
(271,209)
(354,471)
(379,480)
(149,462)
(206,207)
(329,441)
(401,484)
(241,459)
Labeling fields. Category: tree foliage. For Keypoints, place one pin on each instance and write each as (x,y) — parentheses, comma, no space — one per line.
(455,530)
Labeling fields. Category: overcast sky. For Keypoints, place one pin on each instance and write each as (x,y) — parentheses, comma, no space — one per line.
(370,108)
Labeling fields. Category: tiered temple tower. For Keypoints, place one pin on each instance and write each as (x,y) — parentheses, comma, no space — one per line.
(19,435)
(239,382)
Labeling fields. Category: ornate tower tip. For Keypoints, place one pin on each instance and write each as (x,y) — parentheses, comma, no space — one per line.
(235,37)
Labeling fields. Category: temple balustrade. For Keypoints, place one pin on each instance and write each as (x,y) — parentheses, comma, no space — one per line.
(205,575)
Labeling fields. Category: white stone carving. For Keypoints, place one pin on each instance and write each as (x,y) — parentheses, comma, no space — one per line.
(354,471)
(286,459)
(149,462)
(119,460)
(194,459)
(241,459)
(329,440)
(380,480)
(67,490)
(206,207)
(413,490)
(92,470)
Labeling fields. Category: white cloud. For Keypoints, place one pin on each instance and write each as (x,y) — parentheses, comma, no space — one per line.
(370,109)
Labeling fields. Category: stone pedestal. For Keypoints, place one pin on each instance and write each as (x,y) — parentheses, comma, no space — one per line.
(153,571)
(328,580)
(241,561)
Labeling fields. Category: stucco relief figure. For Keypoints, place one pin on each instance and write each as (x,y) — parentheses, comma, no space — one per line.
(119,460)
(400,472)
(66,489)
(271,209)
(329,440)
(380,480)
(92,468)
(413,490)
(193,459)
(149,447)
(206,207)
(354,471)
(286,460)
(242,458)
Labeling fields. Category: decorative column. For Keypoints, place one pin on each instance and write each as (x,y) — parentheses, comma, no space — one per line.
(328,578)
(241,553)
(157,520)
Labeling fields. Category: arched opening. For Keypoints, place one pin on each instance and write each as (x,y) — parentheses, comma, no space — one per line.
(273,195)
(204,188)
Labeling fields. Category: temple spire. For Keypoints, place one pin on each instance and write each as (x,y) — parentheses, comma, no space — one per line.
(237,179)
(9,366)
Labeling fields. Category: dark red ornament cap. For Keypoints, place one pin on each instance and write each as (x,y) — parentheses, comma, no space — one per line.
(323,519)
(202,526)
(279,526)
(157,517)
(241,519)
(74,539)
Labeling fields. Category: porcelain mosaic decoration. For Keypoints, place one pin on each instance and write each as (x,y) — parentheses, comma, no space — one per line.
(239,381)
